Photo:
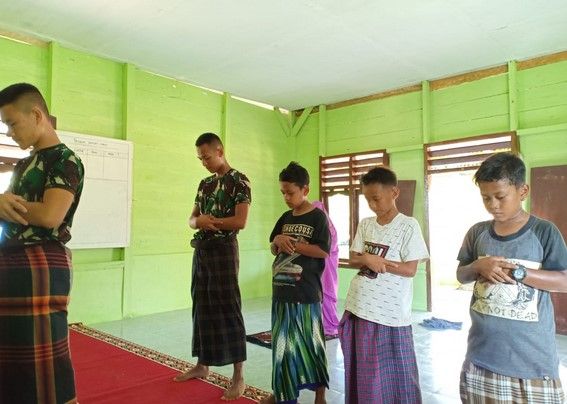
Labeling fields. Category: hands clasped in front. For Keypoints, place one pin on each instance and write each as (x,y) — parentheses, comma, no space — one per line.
(208,222)
(285,243)
(495,269)
(378,264)
(12,208)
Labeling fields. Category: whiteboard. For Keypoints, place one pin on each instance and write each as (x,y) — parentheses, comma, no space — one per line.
(103,218)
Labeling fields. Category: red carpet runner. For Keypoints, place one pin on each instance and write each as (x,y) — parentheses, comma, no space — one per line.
(111,370)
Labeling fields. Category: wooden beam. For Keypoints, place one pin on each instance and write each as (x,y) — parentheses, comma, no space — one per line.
(512,95)
(22,38)
(372,97)
(542,60)
(467,77)
(299,124)
(378,96)
(425,111)
(322,130)
(284,123)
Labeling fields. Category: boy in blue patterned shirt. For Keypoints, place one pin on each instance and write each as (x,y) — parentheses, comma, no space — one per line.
(515,260)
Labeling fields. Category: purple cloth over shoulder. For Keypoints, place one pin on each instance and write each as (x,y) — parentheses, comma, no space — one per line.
(329,279)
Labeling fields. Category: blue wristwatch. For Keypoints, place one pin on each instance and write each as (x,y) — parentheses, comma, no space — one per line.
(519,273)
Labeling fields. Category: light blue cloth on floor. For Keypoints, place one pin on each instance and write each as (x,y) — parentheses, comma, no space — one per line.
(435,323)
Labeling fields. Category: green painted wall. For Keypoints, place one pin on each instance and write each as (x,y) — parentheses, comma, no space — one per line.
(261,150)
(403,123)
(542,115)
(306,146)
(478,107)
(542,96)
(21,62)
(378,124)
(162,117)
(86,93)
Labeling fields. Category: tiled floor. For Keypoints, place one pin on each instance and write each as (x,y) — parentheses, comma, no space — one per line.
(439,353)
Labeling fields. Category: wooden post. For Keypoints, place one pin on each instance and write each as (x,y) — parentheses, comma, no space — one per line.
(425,111)
(512,95)
(322,130)
(51,75)
(284,123)
(299,124)
(127,96)
(225,123)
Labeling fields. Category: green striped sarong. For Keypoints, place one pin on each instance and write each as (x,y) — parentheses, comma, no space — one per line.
(299,360)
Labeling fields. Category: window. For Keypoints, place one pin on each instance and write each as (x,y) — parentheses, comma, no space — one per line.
(341,193)
(451,193)
(466,154)
(10,154)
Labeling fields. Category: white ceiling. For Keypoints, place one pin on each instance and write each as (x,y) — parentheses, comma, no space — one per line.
(293,53)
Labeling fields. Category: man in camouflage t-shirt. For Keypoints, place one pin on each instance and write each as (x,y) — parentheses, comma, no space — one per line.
(55,167)
(36,213)
(220,211)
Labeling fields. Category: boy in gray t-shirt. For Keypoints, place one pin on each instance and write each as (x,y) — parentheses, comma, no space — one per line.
(515,260)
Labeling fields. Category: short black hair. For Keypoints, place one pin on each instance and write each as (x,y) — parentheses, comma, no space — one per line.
(295,174)
(380,175)
(208,138)
(29,92)
(502,166)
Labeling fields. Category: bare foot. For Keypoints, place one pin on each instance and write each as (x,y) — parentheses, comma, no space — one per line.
(235,390)
(268,400)
(320,395)
(199,371)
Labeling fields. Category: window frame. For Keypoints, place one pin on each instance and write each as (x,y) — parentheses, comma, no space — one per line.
(481,150)
(466,154)
(350,184)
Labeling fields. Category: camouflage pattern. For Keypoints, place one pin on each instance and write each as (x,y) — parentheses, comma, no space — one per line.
(218,196)
(52,167)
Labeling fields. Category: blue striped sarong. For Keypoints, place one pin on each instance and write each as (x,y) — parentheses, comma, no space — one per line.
(380,363)
(299,360)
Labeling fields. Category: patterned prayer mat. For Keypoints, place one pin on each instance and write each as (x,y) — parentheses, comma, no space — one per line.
(251,393)
(264,338)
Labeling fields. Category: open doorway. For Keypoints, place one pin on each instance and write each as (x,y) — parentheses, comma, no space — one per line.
(10,154)
(454,206)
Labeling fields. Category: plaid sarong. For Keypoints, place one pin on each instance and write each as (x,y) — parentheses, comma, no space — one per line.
(482,386)
(219,337)
(35,366)
(380,364)
(299,360)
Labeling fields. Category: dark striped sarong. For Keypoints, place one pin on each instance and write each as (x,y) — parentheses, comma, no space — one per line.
(35,366)
(481,386)
(299,359)
(380,363)
(219,337)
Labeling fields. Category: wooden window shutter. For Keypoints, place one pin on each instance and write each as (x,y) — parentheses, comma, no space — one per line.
(467,154)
